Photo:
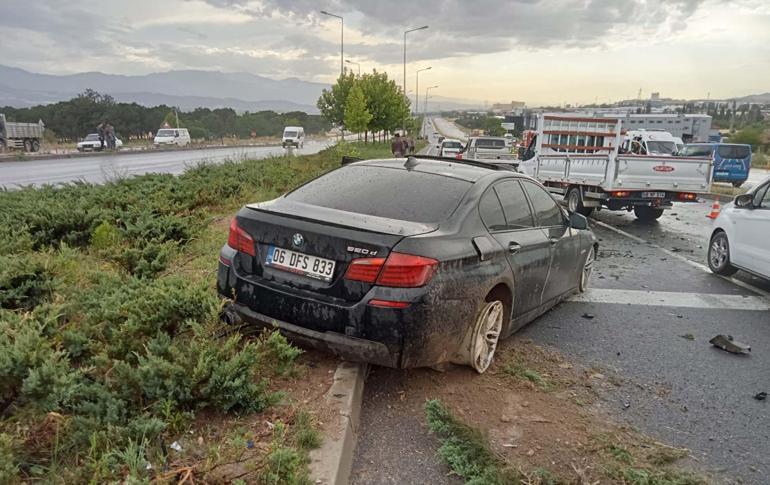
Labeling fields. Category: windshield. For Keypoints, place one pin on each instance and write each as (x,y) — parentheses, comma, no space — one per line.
(452,144)
(289,134)
(734,151)
(92,137)
(490,143)
(369,190)
(696,151)
(661,147)
(165,133)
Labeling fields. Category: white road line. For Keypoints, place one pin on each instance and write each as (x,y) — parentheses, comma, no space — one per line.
(673,299)
(692,263)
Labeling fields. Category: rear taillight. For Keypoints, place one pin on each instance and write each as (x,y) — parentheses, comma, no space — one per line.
(240,240)
(398,270)
(364,269)
(687,196)
(407,271)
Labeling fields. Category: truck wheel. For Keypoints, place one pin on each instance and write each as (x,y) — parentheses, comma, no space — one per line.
(719,255)
(737,184)
(647,213)
(27,145)
(575,202)
(35,146)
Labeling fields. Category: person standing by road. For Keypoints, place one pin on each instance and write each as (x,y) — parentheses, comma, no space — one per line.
(397,146)
(109,134)
(411,145)
(100,134)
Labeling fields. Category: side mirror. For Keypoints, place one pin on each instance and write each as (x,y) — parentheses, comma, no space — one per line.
(578,221)
(745,201)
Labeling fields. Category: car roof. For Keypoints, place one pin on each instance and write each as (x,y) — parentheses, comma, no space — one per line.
(467,170)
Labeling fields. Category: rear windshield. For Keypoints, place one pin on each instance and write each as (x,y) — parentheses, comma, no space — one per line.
(385,192)
(490,143)
(734,151)
(696,151)
(452,144)
(289,134)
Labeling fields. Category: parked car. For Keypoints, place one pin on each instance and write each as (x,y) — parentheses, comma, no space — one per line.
(410,278)
(172,136)
(489,148)
(739,238)
(91,143)
(450,147)
(732,161)
(293,136)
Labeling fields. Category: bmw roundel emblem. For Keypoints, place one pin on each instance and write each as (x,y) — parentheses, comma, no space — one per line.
(297,240)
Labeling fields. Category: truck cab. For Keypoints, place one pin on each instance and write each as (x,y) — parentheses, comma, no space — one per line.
(648,142)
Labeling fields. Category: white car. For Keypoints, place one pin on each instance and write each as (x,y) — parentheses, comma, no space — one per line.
(91,143)
(450,147)
(739,238)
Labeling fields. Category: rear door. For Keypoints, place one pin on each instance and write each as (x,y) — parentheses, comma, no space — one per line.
(563,242)
(508,217)
(752,226)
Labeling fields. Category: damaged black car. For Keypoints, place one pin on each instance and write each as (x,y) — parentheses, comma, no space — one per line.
(405,264)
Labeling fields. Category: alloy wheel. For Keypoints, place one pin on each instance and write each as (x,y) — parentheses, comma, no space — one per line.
(487,330)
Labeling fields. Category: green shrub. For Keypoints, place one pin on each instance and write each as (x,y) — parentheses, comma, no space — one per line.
(24,282)
(9,470)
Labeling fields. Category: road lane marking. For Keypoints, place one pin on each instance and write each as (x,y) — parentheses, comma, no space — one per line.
(692,263)
(672,299)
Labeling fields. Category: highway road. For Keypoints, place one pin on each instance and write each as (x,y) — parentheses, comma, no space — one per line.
(679,390)
(100,168)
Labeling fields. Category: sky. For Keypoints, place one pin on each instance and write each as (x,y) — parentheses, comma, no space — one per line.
(537,51)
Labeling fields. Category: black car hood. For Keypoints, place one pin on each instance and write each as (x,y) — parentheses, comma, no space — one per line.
(334,217)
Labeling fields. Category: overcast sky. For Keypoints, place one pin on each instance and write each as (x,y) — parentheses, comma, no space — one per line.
(538,51)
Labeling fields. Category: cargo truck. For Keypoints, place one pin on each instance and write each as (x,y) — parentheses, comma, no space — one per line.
(20,136)
(584,160)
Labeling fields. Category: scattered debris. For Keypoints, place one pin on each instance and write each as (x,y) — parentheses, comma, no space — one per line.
(726,343)
(175,446)
(249,444)
(761,396)
(588,316)
(688,336)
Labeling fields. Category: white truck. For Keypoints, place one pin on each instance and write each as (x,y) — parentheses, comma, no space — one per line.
(493,149)
(20,136)
(583,160)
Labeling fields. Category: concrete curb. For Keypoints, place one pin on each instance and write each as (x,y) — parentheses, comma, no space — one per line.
(332,463)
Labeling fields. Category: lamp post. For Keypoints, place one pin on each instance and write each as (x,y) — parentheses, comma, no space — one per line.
(356,63)
(342,39)
(417,90)
(403,120)
(427,90)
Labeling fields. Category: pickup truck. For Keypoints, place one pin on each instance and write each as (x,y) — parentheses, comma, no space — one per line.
(583,160)
(489,148)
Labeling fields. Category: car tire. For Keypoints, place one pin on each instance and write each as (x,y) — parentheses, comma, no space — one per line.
(719,255)
(485,335)
(575,202)
(585,273)
(646,213)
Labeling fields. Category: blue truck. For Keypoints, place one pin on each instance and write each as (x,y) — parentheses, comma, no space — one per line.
(732,161)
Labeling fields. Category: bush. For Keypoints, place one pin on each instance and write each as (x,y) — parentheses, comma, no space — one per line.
(24,282)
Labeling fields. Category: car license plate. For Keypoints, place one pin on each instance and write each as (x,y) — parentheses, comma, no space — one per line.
(300,263)
(653,195)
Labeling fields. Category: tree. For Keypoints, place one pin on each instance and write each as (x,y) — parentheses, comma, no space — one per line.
(357,116)
(332,101)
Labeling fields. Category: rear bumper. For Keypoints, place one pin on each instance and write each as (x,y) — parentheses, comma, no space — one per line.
(343,346)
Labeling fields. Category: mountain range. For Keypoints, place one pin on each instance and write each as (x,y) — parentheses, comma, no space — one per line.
(186,89)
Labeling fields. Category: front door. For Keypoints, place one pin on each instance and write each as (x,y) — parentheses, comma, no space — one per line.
(750,248)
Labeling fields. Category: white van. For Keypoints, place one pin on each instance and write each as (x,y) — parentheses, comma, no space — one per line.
(172,136)
(649,142)
(293,136)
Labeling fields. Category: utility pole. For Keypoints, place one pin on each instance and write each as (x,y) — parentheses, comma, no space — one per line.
(342,40)
(417,90)
(427,90)
(403,118)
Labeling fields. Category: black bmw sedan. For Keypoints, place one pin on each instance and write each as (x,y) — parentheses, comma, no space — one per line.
(405,263)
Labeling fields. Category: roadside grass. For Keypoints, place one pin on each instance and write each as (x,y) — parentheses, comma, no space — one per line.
(533,376)
(110,344)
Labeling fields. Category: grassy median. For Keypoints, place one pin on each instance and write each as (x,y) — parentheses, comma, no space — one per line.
(110,345)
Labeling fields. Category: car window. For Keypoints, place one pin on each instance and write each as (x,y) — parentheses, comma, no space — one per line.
(515,206)
(490,143)
(764,199)
(385,192)
(547,211)
(734,151)
(492,212)
(696,151)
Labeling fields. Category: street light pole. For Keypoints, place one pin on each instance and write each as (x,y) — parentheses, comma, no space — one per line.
(403,119)
(342,39)
(356,63)
(417,90)
(427,90)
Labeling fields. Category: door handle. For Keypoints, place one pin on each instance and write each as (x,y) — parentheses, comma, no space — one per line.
(553,240)
(513,247)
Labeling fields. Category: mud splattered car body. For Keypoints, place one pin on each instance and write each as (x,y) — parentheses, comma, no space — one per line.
(395,262)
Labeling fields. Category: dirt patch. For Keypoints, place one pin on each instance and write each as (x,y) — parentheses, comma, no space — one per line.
(540,414)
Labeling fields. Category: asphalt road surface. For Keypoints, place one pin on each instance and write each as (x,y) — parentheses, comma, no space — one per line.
(649,288)
(100,168)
